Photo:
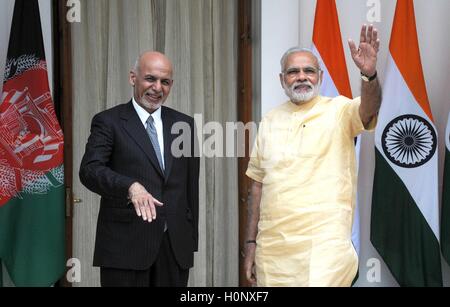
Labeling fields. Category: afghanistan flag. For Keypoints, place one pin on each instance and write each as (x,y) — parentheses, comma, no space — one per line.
(405,208)
(31,159)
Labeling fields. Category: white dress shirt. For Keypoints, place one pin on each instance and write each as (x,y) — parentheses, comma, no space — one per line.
(157,120)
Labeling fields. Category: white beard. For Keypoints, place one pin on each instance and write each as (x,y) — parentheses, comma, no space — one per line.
(150,106)
(304,96)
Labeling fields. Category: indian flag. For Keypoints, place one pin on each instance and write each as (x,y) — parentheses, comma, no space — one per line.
(327,46)
(445,214)
(405,208)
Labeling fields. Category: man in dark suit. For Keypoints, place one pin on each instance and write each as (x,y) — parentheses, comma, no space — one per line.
(147,229)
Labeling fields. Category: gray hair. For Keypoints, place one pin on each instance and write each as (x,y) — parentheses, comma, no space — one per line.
(136,64)
(295,50)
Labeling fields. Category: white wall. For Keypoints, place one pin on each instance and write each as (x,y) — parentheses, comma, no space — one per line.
(279,31)
(6,14)
(432,26)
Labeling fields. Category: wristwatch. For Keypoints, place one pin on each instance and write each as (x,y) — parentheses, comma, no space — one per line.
(367,78)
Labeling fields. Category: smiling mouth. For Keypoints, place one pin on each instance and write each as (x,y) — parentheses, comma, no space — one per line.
(153,97)
(302,88)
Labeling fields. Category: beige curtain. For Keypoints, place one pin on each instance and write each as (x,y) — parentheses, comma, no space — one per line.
(200,37)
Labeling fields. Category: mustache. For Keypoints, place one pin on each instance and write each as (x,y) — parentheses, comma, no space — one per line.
(158,95)
(298,84)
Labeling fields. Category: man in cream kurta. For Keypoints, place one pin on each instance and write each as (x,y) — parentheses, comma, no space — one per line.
(304,170)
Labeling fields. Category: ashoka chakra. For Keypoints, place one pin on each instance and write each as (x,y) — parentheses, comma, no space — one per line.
(409,141)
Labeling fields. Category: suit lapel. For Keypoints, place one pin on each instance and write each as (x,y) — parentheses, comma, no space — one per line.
(168,122)
(135,129)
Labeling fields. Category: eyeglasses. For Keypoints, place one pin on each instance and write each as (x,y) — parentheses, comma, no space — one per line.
(294,71)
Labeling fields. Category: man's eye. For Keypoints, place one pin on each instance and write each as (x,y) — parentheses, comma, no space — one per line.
(293,72)
(150,79)
(165,82)
(309,71)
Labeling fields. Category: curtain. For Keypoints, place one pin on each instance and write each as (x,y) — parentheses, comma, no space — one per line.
(200,38)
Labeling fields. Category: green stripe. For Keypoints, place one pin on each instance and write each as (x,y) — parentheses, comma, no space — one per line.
(445,213)
(32,242)
(400,233)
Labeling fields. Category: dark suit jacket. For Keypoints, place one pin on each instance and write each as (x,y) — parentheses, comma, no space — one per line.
(118,153)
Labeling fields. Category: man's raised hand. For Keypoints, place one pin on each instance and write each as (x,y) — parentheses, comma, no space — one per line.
(365,56)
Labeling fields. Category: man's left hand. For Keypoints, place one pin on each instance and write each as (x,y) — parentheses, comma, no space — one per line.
(365,57)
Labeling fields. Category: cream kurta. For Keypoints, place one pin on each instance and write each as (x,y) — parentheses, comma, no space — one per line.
(304,156)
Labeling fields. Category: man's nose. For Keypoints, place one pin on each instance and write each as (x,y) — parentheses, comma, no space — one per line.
(157,85)
(301,76)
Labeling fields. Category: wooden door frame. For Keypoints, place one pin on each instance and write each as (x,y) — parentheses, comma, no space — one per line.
(245,112)
(62,76)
